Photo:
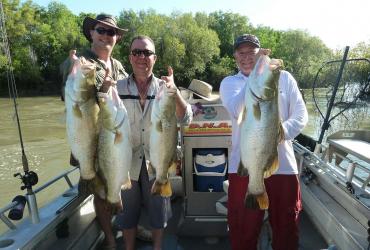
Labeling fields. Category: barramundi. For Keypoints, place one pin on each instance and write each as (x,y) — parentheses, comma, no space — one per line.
(163,141)
(114,148)
(82,116)
(261,130)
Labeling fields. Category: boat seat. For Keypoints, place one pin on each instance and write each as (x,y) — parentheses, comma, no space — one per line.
(357,148)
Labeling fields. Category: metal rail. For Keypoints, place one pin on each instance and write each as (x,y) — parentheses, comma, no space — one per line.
(342,174)
(11,205)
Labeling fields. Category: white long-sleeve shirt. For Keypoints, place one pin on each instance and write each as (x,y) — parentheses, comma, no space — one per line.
(293,114)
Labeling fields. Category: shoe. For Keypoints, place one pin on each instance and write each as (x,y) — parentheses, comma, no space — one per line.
(144,234)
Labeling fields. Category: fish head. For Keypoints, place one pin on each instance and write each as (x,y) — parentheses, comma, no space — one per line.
(264,79)
(84,73)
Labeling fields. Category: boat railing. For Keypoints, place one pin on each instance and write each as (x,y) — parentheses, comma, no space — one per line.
(349,170)
(14,204)
(346,175)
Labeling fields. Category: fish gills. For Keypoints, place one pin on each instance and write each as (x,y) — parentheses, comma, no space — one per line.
(163,141)
(114,149)
(261,130)
(82,116)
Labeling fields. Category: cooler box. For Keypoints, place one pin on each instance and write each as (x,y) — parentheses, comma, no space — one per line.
(210,167)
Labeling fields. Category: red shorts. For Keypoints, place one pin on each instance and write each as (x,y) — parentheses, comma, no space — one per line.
(284,206)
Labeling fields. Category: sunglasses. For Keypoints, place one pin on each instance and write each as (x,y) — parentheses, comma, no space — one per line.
(109,32)
(139,52)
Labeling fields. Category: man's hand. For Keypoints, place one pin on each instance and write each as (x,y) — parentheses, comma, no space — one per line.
(170,83)
(263,51)
(108,82)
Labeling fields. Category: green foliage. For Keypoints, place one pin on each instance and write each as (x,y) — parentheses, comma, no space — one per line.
(302,55)
(196,45)
(228,27)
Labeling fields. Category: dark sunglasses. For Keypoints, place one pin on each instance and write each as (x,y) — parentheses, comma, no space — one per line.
(139,52)
(109,32)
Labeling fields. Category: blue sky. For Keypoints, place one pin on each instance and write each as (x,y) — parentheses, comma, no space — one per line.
(336,22)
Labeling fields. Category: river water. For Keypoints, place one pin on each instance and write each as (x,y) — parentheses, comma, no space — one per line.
(43,128)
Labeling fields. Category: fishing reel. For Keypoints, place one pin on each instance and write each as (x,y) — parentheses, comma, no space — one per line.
(29,179)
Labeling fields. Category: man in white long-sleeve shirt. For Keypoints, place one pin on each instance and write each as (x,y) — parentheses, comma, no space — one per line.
(282,187)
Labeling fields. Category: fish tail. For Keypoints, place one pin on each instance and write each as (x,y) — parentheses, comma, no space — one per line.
(257,201)
(163,189)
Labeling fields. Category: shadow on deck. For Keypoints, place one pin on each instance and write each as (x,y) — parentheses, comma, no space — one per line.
(310,239)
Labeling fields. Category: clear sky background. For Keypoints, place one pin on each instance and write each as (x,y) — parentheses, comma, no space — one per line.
(336,22)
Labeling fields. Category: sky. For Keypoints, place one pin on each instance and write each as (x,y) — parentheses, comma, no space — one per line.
(338,23)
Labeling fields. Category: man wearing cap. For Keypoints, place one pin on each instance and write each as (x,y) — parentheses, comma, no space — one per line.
(283,186)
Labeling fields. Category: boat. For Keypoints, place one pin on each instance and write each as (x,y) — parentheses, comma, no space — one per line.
(335,175)
(336,205)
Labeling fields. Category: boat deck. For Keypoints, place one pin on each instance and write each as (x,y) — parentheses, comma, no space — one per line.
(310,238)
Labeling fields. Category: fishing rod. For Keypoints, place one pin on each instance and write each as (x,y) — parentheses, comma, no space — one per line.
(29,178)
(325,124)
(363,86)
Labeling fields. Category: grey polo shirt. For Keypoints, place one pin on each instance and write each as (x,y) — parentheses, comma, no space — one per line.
(140,119)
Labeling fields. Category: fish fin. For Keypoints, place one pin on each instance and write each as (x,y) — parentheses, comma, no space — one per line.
(257,111)
(127,184)
(77,111)
(118,137)
(257,201)
(242,171)
(163,189)
(151,171)
(263,201)
(172,168)
(272,169)
(281,135)
(242,115)
(159,126)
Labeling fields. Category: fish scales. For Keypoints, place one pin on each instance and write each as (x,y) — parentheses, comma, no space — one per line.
(114,148)
(261,130)
(163,141)
(82,116)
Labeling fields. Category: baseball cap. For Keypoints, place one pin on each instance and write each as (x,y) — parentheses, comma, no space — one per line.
(246,38)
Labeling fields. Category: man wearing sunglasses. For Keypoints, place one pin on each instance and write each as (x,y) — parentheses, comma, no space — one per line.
(103,33)
(137,93)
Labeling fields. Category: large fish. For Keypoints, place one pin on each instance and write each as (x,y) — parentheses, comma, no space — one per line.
(261,130)
(114,148)
(163,141)
(82,116)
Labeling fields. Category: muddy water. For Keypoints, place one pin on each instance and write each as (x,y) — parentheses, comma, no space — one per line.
(42,121)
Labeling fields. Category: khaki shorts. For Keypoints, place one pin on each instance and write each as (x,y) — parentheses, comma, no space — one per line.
(158,207)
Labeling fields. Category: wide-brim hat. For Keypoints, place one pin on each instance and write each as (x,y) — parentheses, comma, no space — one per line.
(201,89)
(89,24)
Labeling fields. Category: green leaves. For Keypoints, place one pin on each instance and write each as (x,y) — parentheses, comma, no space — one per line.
(196,45)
